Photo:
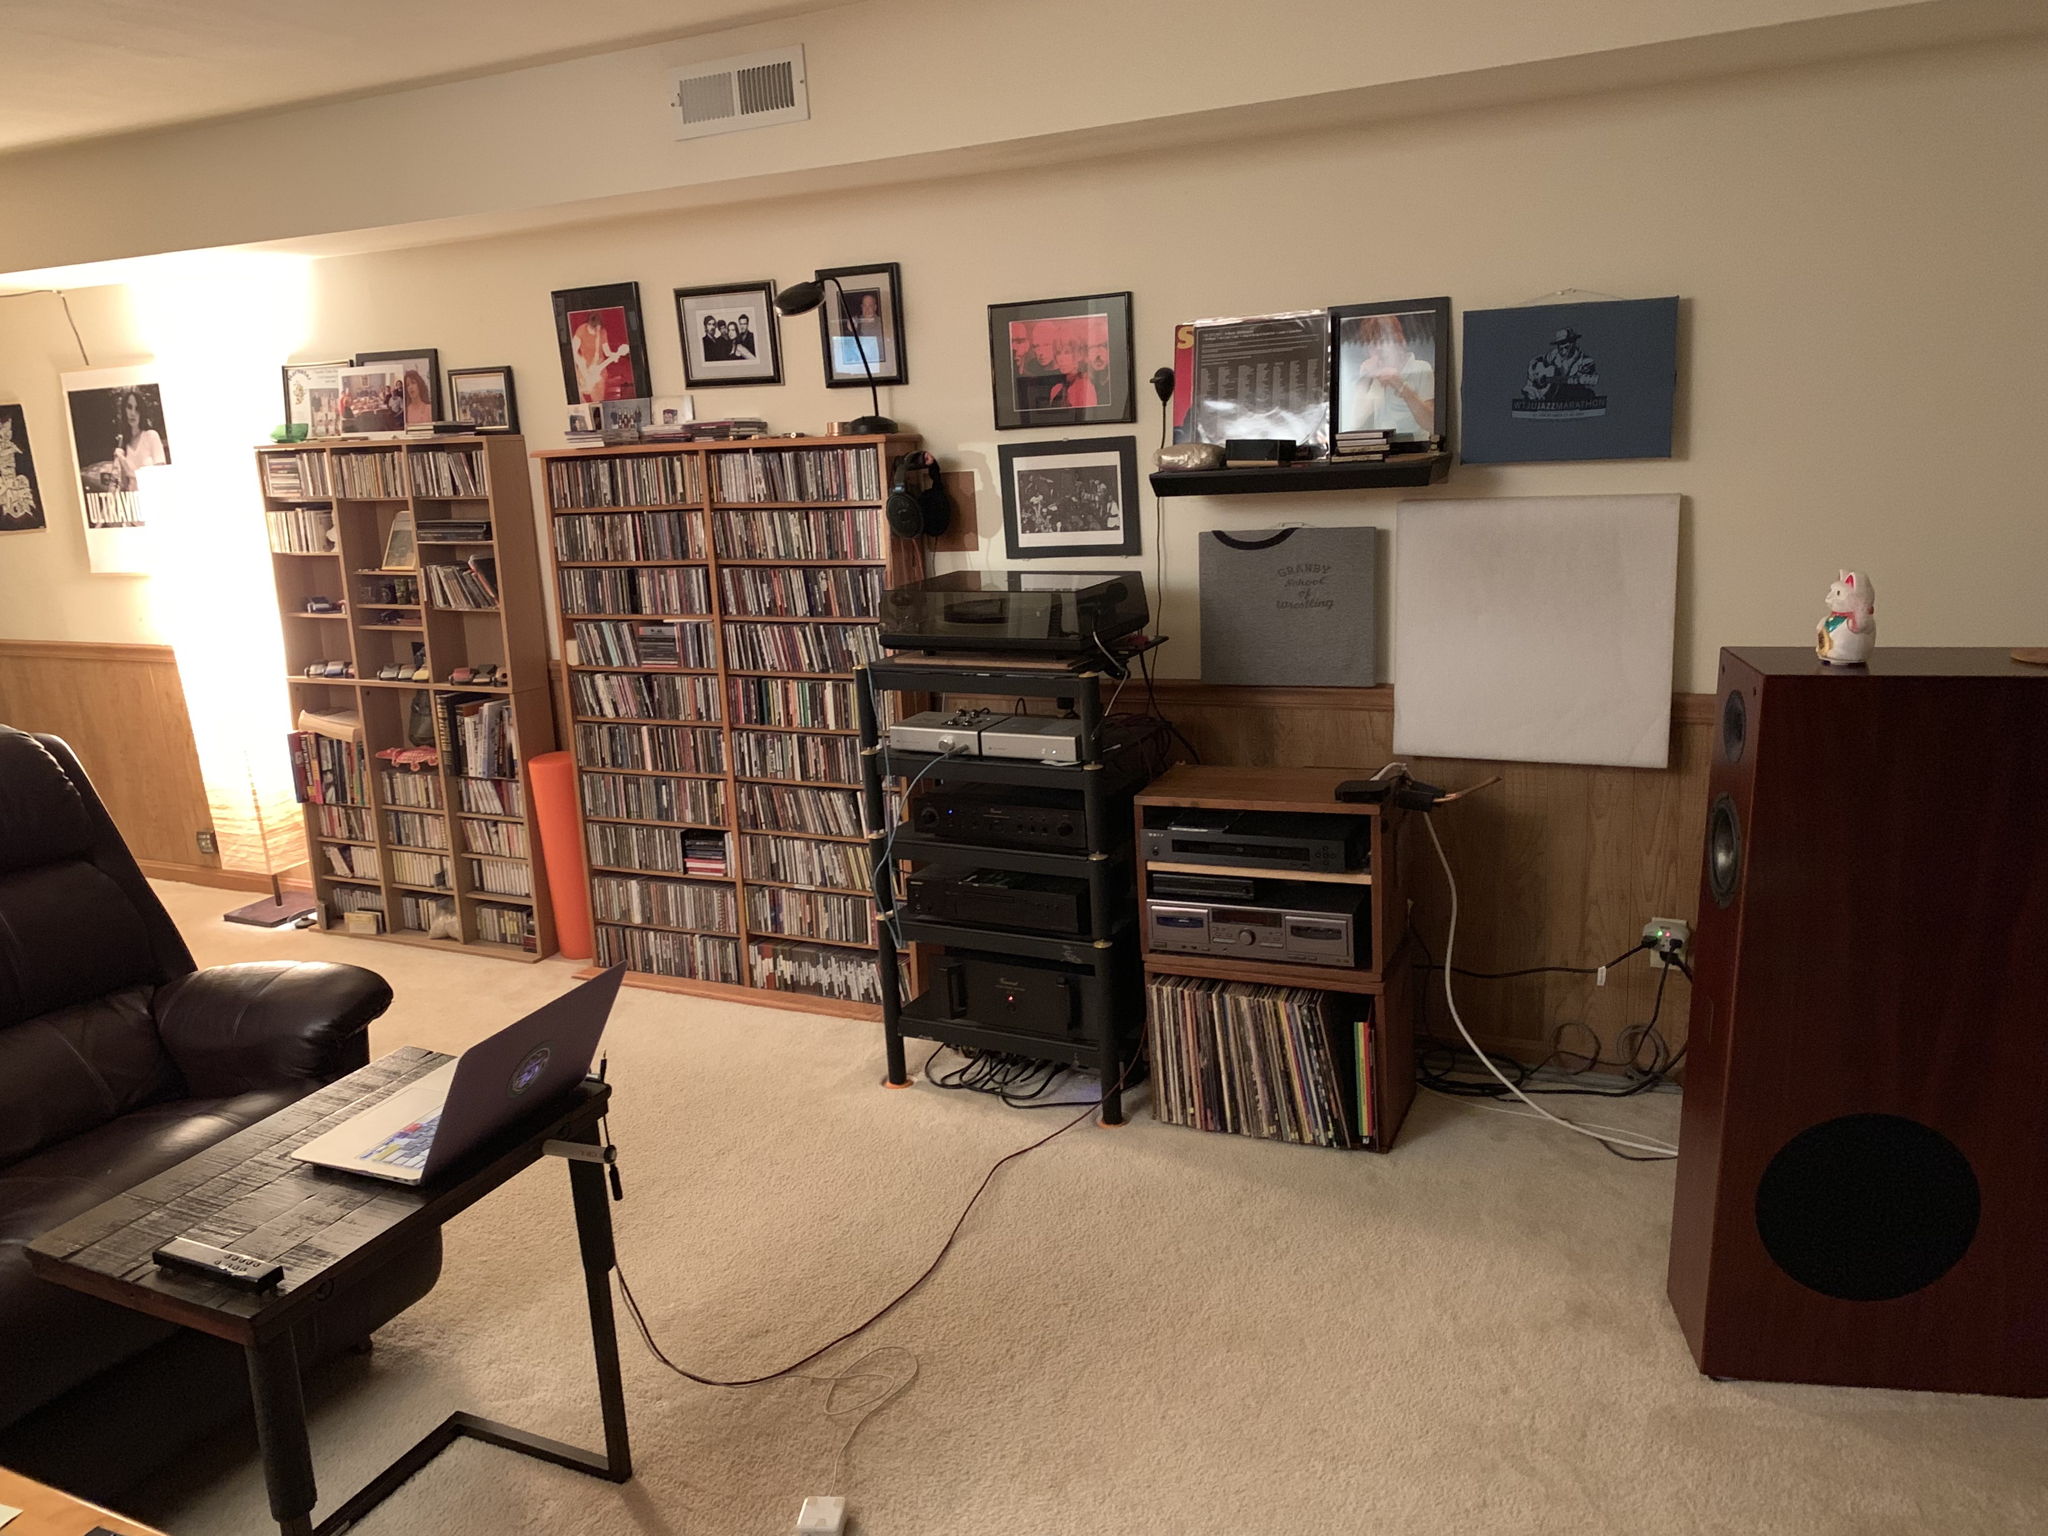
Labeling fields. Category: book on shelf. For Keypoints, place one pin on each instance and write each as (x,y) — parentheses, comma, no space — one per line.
(468,587)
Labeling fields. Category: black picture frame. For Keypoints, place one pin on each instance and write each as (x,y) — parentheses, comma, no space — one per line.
(624,297)
(888,360)
(755,302)
(503,374)
(21,496)
(1355,406)
(1078,474)
(1050,329)
(422,363)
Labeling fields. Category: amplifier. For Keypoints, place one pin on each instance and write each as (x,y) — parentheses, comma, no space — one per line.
(1028,996)
(999,898)
(1002,816)
(1309,929)
(984,733)
(1324,845)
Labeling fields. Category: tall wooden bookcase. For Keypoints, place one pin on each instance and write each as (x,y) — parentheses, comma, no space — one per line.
(330,508)
(714,601)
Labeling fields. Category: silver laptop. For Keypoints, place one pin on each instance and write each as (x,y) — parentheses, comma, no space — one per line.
(420,1130)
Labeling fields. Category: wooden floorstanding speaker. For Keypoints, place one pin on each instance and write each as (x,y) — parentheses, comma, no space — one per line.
(1863,1159)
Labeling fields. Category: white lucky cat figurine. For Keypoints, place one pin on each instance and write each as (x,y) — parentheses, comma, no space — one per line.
(1848,634)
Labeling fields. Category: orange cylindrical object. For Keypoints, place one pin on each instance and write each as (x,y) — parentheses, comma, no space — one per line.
(553,776)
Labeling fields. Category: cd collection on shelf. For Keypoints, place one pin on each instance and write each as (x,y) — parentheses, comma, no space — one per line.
(800,647)
(690,905)
(428,869)
(801,862)
(791,591)
(621,643)
(658,591)
(368,476)
(1280,1063)
(347,823)
(431,915)
(658,952)
(501,877)
(800,474)
(640,696)
(630,536)
(809,914)
(422,791)
(355,898)
(651,748)
(617,845)
(793,702)
(410,829)
(650,797)
(348,862)
(500,839)
(497,924)
(447,472)
(800,533)
(847,974)
(626,480)
(831,760)
(800,808)
(492,797)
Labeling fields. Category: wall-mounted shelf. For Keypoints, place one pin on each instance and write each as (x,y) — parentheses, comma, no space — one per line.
(1400,471)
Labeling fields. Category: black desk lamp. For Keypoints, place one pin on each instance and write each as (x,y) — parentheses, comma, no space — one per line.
(805,297)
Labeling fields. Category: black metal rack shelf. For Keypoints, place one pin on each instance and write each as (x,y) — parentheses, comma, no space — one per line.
(1107,967)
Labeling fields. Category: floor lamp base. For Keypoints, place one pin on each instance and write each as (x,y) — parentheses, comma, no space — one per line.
(272,912)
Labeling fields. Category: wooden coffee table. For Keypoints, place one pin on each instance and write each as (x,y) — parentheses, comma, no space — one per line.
(324,1227)
(46,1511)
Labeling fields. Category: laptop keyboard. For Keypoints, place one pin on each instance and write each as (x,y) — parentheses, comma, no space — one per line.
(406,1148)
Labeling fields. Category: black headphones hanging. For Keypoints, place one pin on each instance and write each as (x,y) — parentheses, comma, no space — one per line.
(915,514)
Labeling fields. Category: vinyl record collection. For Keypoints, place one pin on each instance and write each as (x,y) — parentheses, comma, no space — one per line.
(798,861)
(687,904)
(792,755)
(630,536)
(800,808)
(626,480)
(787,591)
(329,771)
(445,472)
(799,474)
(619,846)
(649,797)
(638,696)
(661,953)
(368,476)
(656,748)
(848,919)
(620,644)
(659,590)
(800,647)
(796,533)
(1275,1062)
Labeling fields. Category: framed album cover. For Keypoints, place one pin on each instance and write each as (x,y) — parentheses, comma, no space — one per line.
(1558,382)
(483,398)
(1390,368)
(1254,376)
(21,498)
(419,376)
(312,397)
(729,334)
(1062,362)
(120,446)
(1069,499)
(603,343)
(861,326)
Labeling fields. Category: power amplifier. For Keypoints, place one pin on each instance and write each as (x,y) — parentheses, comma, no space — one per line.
(999,898)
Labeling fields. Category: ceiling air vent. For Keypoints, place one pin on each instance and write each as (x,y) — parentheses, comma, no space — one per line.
(754,90)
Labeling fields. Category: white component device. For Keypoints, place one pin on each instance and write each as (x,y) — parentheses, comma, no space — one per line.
(822,1516)
(1035,738)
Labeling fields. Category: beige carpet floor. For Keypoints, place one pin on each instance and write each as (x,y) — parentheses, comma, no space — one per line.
(1141,1330)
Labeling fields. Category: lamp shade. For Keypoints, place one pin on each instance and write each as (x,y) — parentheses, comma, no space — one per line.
(800,298)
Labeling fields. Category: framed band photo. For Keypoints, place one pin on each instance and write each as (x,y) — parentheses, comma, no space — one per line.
(483,398)
(729,334)
(418,371)
(1062,362)
(1072,499)
(1390,368)
(861,326)
(603,343)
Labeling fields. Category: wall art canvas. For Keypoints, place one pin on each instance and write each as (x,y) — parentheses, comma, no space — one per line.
(1062,362)
(729,334)
(312,397)
(864,333)
(21,497)
(1549,382)
(602,342)
(1076,498)
(119,441)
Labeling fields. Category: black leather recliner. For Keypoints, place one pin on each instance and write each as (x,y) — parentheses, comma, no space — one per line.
(118,1058)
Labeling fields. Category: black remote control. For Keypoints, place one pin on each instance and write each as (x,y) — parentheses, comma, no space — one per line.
(240,1269)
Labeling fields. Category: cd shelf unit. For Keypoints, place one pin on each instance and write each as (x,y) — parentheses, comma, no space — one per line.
(1219,1069)
(432,846)
(715,600)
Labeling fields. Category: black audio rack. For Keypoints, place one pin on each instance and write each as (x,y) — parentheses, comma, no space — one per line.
(1106,964)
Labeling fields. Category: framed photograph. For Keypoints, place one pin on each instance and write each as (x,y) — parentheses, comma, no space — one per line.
(21,499)
(419,376)
(312,397)
(483,398)
(865,331)
(729,334)
(1390,368)
(371,400)
(119,445)
(1256,376)
(1062,362)
(603,343)
(1551,382)
(401,544)
(1076,498)
(585,420)
(624,421)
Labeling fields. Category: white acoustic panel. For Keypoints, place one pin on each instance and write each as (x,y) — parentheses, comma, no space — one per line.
(1536,629)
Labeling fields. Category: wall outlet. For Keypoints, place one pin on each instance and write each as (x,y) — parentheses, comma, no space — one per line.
(208,843)
(1666,938)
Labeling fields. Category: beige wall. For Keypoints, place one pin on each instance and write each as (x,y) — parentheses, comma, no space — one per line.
(1859,246)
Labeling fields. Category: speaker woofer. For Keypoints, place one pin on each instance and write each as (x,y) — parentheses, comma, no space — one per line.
(1734,726)
(1724,850)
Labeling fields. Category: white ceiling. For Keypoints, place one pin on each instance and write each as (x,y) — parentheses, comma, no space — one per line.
(78,69)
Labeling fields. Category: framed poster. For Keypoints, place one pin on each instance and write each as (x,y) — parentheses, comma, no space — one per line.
(1062,362)
(861,326)
(483,398)
(1390,368)
(118,441)
(312,397)
(21,498)
(371,400)
(603,343)
(1550,382)
(729,334)
(1261,376)
(1071,499)
(419,379)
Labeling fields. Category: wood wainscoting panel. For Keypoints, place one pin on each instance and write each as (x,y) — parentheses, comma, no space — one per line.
(122,710)
(1558,865)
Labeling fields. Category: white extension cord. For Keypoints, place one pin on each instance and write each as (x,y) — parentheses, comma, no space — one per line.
(1611,1138)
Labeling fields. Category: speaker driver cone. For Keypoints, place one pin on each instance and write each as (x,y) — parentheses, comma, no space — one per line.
(1734,726)
(1724,850)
